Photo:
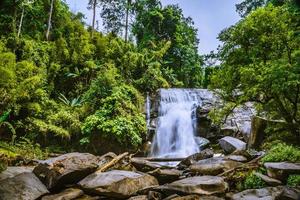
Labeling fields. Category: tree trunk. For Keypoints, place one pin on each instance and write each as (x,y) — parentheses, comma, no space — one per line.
(21,22)
(127,19)
(49,19)
(94,17)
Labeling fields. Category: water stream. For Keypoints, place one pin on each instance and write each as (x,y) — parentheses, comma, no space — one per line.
(175,132)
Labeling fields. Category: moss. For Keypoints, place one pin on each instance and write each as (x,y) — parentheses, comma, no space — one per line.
(282,152)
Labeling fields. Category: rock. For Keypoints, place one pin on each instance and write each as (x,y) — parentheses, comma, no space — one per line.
(207,153)
(117,183)
(152,195)
(144,165)
(244,153)
(236,158)
(171,197)
(268,193)
(213,166)
(281,170)
(230,144)
(202,185)
(11,172)
(166,175)
(22,186)
(140,197)
(289,194)
(258,126)
(67,169)
(196,197)
(87,197)
(67,194)
(202,142)
(268,180)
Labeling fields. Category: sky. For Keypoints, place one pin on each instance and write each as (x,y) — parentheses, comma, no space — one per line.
(210,17)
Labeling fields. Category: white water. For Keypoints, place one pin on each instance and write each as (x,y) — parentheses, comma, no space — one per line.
(175,133)
(148,107)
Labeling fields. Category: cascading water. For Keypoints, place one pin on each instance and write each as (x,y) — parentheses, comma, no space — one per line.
(175,132)
(148,107)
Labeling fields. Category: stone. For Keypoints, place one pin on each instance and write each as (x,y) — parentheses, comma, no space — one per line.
(213,166)
(268,180)
(67,194)
(236,158)
(67,169)
(152,195)
(87,197)
(289,194)
(207,153)
(116,183)
(202,185)
(22,186)
(230,144)
(11,172)
(281,170)
(140,197)
(244,153)
(196,197)
(268,193)
(202,142)
(144,165)
(166,175)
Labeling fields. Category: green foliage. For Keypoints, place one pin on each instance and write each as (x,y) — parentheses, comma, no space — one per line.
(282,152)
(293,180)
(253,182)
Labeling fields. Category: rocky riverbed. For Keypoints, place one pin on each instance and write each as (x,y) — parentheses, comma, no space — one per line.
(203,175)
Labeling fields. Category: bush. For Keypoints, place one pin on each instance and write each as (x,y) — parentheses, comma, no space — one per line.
(293,180)
(252,182)
(282,152)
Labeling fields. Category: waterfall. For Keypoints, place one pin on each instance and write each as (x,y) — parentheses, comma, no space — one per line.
(175,132)
(148,107)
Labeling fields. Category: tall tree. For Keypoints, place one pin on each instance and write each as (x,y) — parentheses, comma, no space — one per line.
(49,19)
(25,4)
(93,4)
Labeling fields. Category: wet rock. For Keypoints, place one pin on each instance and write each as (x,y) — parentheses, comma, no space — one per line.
(281,170)
(202,142)
(213,166)
(11,172)
(230,144)
(268,193)
(237,158)
(116,183)
(207,153)
(166,175)
(144,165)
(67,169)
(202,185)
(67,194)
(268,180)
(22,186)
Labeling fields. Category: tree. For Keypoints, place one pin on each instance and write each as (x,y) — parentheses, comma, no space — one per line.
(260,63)
(93,4)
(49,19)
(24,4)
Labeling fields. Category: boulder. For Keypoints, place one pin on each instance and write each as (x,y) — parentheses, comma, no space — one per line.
(256,194)
(268,180)
(166,175)
(144,165)
(67,194)
(289,194)
(202,142)
(281,170)
(140,197)
(230,144)
(202,185)
(87,197)
(22,186)
(117,183)
(207,153)
(258,126)
(67,169)
(236,158)
(196,197)
(11,172)
(213,166)
(152,195)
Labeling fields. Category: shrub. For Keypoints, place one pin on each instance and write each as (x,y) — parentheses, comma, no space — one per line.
(293,180)
(282,152)
(252,182)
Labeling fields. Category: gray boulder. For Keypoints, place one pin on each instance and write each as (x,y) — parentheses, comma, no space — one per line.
(117,183)
(23,186)
(144,165)
(270,181)
(207,153)
(166,175)
(11,172)
(67,194)
(68,169)
(230,144)
(213,166)
(202,185)
(281,170)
